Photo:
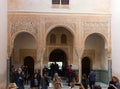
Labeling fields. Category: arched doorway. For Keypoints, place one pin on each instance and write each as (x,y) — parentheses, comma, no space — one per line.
(24,44)
(86,66)
(29,62)
(59,43)
(95,49)
(58,59)
(24,50)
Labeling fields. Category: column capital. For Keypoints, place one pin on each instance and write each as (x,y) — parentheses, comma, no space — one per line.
(109,53)
(40,52)
(78,51)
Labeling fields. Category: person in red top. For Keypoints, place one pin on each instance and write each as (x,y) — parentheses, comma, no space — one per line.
(69,74)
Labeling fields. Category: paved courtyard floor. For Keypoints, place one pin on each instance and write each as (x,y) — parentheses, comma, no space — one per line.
(65,86)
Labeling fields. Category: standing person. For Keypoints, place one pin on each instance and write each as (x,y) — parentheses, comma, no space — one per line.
(57,81)
(39,79)
(34,82)
(37,72)
(44,81)
(45,70)
(19,78)
(84,81)
(69,74)
(26,71)
(92,78)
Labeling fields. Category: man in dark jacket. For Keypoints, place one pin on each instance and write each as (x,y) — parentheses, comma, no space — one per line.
(92,78)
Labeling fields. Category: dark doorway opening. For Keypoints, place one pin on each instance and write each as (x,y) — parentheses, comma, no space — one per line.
(29,62)
(58,60)
(86,66)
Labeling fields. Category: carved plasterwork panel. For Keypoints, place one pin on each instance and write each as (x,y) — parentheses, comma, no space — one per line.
(70,26)
(40,24)
(61,18)
(21,23)
(97,24)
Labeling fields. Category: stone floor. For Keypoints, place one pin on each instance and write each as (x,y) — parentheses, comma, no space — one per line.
(64,85)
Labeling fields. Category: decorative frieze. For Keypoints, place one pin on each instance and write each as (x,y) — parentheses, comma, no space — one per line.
(95,25)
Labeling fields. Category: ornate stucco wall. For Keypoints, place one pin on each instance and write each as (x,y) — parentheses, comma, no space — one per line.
(81,26)
(85,20)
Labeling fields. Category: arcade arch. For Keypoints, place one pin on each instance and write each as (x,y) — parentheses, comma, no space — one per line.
(24,45)
(63,47)
(95,49)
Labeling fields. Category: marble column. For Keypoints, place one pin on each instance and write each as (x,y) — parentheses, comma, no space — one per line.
(79,68)
(79,55)
(41,59)
(3,44)
(109,69)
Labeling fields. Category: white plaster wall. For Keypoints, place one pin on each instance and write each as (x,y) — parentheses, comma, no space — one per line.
(3,43)
(75,6)
(25,41)
(115,7)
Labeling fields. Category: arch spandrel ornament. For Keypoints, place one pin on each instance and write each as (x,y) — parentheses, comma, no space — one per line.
(69,26)
(99,25)
(18,25)
(23,22)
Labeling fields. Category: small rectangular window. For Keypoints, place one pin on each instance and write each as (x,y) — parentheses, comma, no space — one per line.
(60,3)
(55,1)
(65,2)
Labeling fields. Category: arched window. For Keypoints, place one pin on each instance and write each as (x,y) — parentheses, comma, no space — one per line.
(63,39)
(52,38)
